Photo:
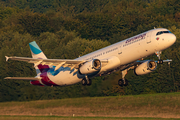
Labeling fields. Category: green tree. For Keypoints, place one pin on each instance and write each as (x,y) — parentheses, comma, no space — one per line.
(34,23)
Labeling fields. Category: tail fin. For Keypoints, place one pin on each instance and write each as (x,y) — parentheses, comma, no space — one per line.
(36,52)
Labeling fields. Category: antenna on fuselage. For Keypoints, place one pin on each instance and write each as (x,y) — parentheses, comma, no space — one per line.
(154,27)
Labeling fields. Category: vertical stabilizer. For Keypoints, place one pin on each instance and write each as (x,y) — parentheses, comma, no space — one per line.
(37,53)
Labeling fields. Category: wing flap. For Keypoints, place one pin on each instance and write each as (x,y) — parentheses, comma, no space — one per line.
(21,78)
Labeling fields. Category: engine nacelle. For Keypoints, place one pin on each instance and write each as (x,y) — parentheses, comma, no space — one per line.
(146,67)
(90,67)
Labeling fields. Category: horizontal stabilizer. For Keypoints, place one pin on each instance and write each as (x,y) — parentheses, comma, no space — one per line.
(21,78)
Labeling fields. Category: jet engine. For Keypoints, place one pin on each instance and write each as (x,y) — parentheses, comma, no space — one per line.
(146,67)
(90,67)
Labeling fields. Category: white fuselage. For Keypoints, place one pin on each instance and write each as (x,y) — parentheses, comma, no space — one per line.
(118,54)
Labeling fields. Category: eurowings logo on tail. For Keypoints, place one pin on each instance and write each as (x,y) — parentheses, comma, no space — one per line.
(36,51)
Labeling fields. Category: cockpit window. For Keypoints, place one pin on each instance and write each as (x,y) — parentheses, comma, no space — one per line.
(161,32)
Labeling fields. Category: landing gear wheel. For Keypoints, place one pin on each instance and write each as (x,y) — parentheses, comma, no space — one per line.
(126,82)
(120,82)
(84,82)
(89,82)
(160,61)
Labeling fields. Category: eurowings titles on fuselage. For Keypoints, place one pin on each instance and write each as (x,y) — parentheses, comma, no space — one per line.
(135,39)
(119,56)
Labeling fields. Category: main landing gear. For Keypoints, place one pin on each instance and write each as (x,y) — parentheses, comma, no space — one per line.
(123,81)
(86,81)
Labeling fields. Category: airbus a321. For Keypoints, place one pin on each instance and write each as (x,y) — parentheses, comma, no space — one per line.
(123,56)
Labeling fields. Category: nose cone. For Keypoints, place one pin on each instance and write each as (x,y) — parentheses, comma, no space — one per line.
(172,39)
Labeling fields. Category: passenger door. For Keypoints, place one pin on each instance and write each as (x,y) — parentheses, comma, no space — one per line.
(148,39)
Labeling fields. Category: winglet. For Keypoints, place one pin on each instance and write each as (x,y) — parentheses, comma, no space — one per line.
(7,58)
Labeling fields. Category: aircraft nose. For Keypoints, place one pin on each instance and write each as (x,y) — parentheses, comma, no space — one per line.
(172,39)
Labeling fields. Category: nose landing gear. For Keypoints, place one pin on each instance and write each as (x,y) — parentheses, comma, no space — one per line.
(160,61)
(158,53)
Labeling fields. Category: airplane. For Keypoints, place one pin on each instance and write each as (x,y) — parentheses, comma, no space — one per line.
(123,56)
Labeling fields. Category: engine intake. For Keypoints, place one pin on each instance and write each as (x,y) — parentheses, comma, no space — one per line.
(90,67)
(146,67)
(96,64)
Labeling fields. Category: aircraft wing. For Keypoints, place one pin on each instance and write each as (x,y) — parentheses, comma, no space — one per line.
(22,78)
(138,62)
(55,62)
(168,60)
(35,60)
(141,61)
